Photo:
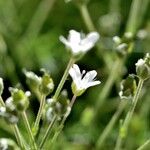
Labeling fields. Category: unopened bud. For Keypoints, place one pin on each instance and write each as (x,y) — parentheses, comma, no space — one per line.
(20,99)
(143,67)
(47,84)
(128,88)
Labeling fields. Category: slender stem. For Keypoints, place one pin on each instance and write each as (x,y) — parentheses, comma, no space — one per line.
(37,121)
(86,17)
(39,17)
(124,126)
(48,131)
(26,122)
(110,125)
(2,102)
(91,27)
(108,85)
(137,11)
(18,136)
(63,121)
(58,90)
(145,146)
(15,128)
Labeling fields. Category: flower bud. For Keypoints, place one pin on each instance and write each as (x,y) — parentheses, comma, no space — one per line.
(143,67)
(1,86)
(20,99)
(128,88)
(8,144)
(128,36)
(32,80)
(122,48)
(117,40)
(2,111)
(11,114)
(47,84)
(59,107)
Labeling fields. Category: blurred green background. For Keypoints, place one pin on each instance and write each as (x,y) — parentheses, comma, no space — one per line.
(29,38)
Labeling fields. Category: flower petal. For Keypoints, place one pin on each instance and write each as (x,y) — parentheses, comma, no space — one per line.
(92,83)
(90,40)
(64,41)
(75,74)
(74,37)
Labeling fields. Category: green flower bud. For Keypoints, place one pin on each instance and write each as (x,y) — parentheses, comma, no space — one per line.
(11,114)
(122,48)
(1,86)
(59,107)
(64,103)
(128,36)
(47,84)
(76,91)
(32,80)
(20,99)
(2,111)
(128,87)
(143,67)
(8,144)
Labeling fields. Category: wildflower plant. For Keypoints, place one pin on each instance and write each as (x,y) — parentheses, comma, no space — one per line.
(39,113)
(58,106)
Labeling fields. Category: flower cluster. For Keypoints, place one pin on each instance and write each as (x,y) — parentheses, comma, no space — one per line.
(56,107)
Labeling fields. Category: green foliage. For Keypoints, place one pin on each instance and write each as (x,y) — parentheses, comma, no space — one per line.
(29,38)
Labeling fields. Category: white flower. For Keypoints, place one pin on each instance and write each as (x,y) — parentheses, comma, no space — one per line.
(3,144)
(81,81)
(79,43)
(140,62)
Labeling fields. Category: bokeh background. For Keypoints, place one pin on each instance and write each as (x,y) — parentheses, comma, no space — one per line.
(29,38)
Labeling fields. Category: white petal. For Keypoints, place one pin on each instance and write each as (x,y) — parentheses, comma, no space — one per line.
(64,40)
(74,37)
(75,74)
(90,40)
(92,83)
(90,76)
(140,62)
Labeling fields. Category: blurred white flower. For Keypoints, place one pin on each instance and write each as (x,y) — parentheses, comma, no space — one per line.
(3,144)
(82,82)
(140,62)
(79,43)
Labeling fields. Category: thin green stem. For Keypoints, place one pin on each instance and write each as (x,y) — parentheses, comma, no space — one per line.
(108,85)
(145,146)
(2,102)
(137,11)
(37,121)
(86,17)
(90,26)
(125,125)
(26,122)
(39,17)
(18,136)
(63,121)
(15,128)
(60,86)
(110,125)
(48,131)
